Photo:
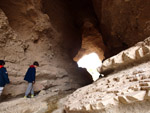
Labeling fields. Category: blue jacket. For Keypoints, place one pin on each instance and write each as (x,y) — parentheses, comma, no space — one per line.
(3,76)
(30,74)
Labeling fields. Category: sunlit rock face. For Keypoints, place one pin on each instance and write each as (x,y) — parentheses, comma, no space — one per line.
(123,22)
(136,54)
(125,90)
(91,41)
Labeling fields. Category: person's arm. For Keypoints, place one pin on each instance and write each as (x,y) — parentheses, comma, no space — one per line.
(5,75)
(33,75)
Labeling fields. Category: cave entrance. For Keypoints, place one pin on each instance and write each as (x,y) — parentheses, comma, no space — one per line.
(91,52)
(91,62)
(77,24)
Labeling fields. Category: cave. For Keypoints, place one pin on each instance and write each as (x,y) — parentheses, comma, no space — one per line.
(57,30)
(82,13)
(76,19)
(58,33)
(66,20)
(110,37)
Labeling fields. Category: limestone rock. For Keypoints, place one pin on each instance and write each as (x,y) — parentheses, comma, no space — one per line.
(127,57)
(136,96)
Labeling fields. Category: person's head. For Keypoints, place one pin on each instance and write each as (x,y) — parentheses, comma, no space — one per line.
(36,64)
(2,62)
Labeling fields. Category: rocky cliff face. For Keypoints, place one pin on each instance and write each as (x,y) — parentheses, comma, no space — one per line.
(27,34)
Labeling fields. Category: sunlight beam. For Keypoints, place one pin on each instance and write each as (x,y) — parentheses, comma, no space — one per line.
(91,62)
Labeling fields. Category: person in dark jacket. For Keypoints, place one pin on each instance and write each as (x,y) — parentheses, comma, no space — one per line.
(3,76)
(30,78)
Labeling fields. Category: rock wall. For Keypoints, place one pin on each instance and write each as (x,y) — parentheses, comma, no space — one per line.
(27,34)
(91,42)
(122,19)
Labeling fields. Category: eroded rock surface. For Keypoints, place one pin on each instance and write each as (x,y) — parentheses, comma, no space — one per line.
(138,53)
(121,91)
(27,35)
(44,103)
(92,42)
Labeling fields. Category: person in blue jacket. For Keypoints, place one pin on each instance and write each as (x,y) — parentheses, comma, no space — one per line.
(3,76)
(30,78)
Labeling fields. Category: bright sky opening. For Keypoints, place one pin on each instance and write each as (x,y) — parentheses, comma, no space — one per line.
(91,62)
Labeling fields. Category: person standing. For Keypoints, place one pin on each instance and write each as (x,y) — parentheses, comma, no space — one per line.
(30,78)
(3,76)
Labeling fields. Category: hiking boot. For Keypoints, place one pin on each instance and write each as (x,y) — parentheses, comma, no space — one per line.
(32,96)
